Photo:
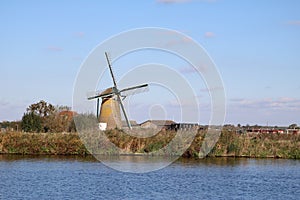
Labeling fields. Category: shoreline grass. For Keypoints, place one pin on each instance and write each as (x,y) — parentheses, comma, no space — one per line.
(229,144)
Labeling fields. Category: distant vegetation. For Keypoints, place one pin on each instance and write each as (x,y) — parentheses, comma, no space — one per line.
(258,145)
(229,144)
(48,129)
(43,117)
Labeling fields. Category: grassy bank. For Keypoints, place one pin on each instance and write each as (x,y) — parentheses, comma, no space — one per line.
(229,144)
(258,145)
(41,143)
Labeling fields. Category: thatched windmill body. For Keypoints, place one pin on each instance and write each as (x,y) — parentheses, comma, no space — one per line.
(112,100)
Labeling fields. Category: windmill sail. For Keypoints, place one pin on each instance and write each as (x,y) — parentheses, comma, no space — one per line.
(110,69)
(116,91)
(124,112)
(111,92)
(105,93)
(134,90)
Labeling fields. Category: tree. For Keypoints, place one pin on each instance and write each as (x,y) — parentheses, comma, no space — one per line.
(45,111)
(53,118)
(31,122)
(57,123)
(292,126)
(60,108)
(42,109)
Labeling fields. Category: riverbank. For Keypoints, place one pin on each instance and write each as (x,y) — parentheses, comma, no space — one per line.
(41,144)
(229,144)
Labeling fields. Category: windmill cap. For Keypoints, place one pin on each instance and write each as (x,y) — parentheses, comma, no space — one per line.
(107,91)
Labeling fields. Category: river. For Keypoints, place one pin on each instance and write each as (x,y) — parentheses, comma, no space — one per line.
(67,177)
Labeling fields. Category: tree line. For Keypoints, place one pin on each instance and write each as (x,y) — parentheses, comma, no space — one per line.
(44,117)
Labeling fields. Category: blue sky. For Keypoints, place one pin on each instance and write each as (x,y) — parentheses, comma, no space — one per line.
(255,45)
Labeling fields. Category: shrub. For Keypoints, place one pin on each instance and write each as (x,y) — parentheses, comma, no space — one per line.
(31,122)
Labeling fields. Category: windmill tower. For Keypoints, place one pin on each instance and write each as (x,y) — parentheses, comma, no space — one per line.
(112,100)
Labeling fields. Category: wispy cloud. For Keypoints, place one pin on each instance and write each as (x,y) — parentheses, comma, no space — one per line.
(294,23)
(79,34)
(209,34)
(173,38)
(268,87)
(211,89)
(54,48)
(283,103)
(183,40)
(191,69)
(3,102)
(236,99)
(11,111)
(188,70)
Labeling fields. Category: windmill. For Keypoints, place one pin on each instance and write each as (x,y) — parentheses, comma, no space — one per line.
(112,100)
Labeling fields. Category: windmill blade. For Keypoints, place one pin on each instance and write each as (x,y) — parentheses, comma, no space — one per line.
(97,109)
(92,94)
(124,112)
(100,96)
(110,69)
(106,93)
(134,90)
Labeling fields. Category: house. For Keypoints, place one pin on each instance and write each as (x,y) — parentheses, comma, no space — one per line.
(157,124)
(67,114)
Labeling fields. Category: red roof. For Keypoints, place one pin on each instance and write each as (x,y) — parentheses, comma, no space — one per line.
(67,113)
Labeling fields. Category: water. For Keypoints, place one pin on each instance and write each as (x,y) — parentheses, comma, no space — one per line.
(85,178)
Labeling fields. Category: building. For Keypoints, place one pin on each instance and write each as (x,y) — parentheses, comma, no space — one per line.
(133,124)
(184,126)
(157,124)
(67,114)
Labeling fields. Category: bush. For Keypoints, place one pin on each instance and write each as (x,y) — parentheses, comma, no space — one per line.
(31,122)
